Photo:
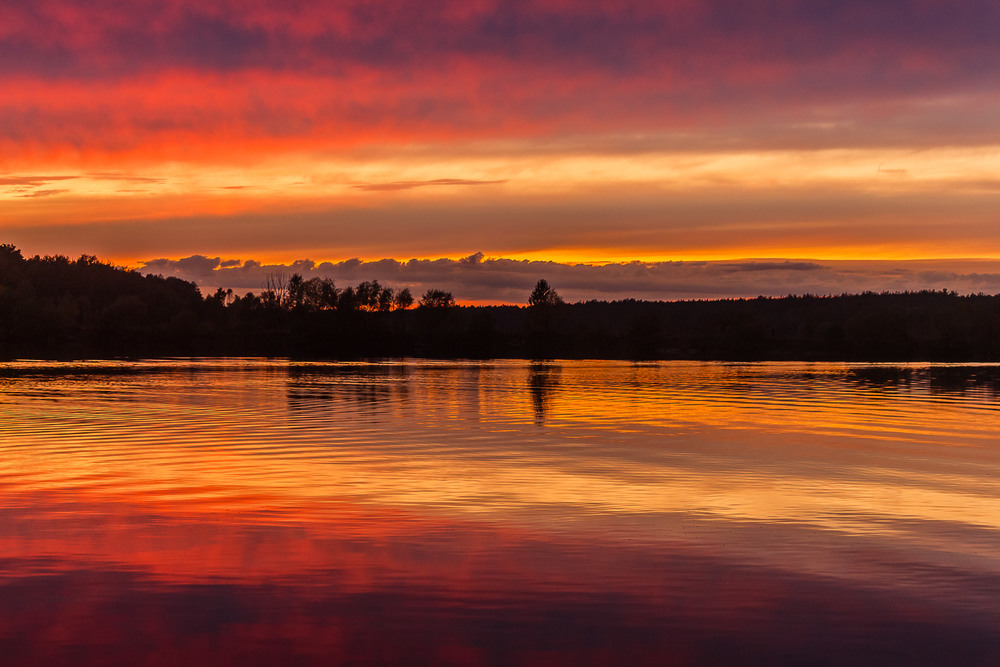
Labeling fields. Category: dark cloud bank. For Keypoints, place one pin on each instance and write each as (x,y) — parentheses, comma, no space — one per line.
(611,66)
(480,279)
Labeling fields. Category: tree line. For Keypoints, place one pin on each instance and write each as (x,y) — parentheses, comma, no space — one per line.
(54,307)
(316,294)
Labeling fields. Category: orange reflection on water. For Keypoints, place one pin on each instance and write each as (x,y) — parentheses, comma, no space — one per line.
(607,499)
(541,443)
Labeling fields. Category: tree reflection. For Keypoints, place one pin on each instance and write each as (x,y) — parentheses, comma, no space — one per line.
(369,393)
(941,380)
(542,380)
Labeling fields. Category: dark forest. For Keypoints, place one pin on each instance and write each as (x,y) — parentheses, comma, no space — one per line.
(58,308)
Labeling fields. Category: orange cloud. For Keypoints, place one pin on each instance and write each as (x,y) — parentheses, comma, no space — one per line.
(604,130)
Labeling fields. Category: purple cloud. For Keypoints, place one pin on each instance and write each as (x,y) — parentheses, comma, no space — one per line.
(477,278)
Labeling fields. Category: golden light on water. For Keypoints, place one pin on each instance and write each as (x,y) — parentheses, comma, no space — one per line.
(649,442)
(691,493)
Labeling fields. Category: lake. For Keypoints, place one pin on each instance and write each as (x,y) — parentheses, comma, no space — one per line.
(253,511)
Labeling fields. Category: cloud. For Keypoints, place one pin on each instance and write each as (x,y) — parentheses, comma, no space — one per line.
(621,38)
(196,267)
(477,278)
(597,223)
(33,186)
(32,181)
(771,266)
(408,185)
(42,193)
(129,178)
(183,78)
(261,94)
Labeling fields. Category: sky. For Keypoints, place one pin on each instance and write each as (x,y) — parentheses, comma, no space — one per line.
(685,149)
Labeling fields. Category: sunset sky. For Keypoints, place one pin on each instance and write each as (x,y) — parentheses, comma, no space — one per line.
(693,148)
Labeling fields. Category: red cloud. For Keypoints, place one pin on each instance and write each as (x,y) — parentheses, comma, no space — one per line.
(185,80)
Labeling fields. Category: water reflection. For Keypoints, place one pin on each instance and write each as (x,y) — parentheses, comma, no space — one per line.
(543,378)
(881,376)
(369,390)
(942,379)
(262,512)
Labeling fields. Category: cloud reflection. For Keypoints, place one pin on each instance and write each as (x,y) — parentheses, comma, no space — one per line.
(241,510)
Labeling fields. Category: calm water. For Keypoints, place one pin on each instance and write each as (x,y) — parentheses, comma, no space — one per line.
(262,512)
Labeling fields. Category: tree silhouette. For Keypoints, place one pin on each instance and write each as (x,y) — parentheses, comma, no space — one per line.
(403,299)
(347,300)
(10,251)
(544,295)
(222,297)
(295,292)
(52,307)
(275,289)
(385,299)
(320,294)
(367,294)
(435,298)
(543,332)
